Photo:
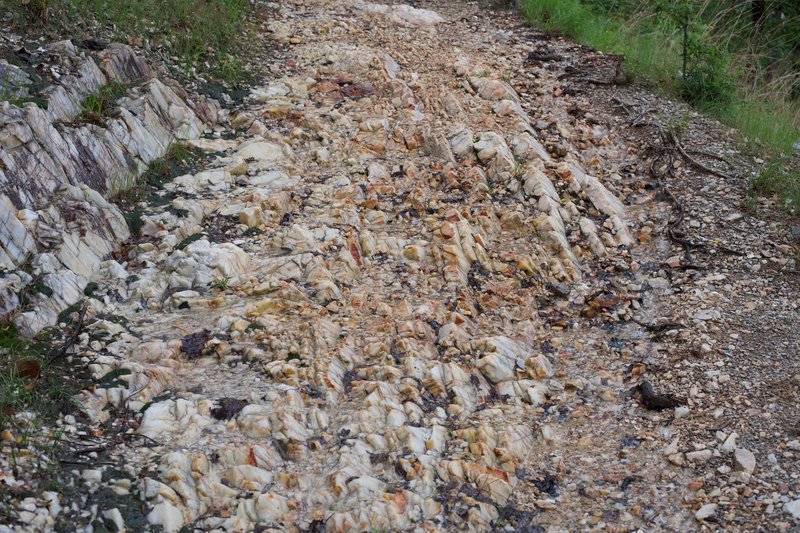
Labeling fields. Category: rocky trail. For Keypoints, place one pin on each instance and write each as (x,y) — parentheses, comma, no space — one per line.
(425,281)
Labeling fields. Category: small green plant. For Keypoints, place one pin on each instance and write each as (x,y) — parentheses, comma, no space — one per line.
(253,326)
(97,107)
(136,189)
(90,288)
(36,100)
(135,221)
(704,79)
(519,170)
(220,284)
(677,124)
(188,240)
(750,205)
(780,180)
(229,69)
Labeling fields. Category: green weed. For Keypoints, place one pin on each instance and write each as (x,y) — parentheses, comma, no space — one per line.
(681,48)
(707,83)
(29,380)
(220,283)
(188,240)
(200,33)
(750,205)
(781,181)
(97,107)
(178,159)
(229,69)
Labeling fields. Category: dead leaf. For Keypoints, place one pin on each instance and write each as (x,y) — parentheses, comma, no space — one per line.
(29,368)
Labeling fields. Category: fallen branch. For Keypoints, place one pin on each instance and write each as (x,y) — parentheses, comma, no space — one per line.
(72,339)
(676,142)
(91,449)
(83,463)
(659,327)
(672,227)
(657,402)
(711,155)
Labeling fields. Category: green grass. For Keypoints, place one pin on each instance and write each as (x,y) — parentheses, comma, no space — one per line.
(193,29)
(221,284)
(648,52)
(230,69)
(97,107)
(202,34)
(178,159)
(779,180)
(652,46)
(773,124)
(28,379)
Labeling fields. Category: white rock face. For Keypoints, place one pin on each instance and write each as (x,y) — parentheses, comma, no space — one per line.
(202,262)
(54,177)
(405,14)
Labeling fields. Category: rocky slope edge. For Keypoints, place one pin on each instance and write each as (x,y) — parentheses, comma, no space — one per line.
(56,172)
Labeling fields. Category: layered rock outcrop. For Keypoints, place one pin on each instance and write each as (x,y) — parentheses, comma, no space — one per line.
(56,174)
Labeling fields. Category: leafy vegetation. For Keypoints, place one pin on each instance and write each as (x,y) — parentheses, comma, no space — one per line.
(30,376)
(220,284)
(738,60)
(188,240)
(202,34)
(97,107)
(781,181)
(177,160)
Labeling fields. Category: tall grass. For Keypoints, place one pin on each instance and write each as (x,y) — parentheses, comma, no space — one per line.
(652,56)
(192,28)
(201,34)
(747,78)
(780,180)
(652,47)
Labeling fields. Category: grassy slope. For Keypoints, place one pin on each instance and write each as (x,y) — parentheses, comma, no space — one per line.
(200,35)
(653,52)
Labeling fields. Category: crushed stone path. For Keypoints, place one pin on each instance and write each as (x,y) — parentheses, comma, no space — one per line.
(401,298)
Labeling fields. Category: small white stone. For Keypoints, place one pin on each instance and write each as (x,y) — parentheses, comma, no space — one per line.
(744,460)
(115,516)
(92,476)
(730,443)
(681,412)
(793,508)
(28,505)
(706,511)
(700,456)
